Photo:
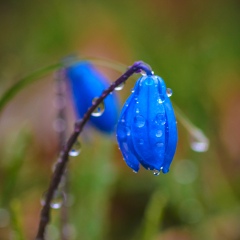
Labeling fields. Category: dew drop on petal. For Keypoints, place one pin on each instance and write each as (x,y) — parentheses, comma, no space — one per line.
(99,109)
(76,149)
(140,141)
(139,121)
(119,87)
(159,145)
(134,171)
(137,110)
(161,100)
(160,119)
(156,172)
(169,92)
(149,81)
(159,133)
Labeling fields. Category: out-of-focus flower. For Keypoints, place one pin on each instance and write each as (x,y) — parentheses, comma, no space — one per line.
(86,84)
(147,128)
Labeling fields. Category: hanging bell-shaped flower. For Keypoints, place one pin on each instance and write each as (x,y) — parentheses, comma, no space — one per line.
(86,84)
(147,128)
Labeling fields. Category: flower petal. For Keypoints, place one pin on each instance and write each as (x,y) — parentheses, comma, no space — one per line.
(86,84)
(124,137)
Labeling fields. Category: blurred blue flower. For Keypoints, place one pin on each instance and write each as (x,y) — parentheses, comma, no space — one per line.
(147,128)
(86,84)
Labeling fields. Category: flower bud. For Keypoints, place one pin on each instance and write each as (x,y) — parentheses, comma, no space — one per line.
(147,128)
(87,84)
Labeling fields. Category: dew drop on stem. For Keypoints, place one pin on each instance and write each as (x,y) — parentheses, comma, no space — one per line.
(76,149)
(99,110)
(57,200)
(119,87)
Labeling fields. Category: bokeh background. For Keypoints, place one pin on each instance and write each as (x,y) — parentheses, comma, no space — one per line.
(195,47)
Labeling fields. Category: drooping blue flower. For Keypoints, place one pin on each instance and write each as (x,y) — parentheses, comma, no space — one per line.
(86,84)
(147,128)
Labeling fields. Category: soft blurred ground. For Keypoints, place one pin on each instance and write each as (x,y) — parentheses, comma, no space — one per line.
(195,47)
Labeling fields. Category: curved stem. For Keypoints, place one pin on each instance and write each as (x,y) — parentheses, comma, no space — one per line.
(79,125)
(12,91)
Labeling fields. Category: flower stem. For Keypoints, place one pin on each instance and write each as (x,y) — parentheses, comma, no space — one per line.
(79,125)
(11,92)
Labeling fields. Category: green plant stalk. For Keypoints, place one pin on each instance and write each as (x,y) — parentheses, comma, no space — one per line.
(12,91)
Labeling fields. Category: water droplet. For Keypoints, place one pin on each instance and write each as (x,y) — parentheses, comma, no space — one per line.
(199,146)
(143,73)
(124,131)
(99,109)
(198,141)
(76,149)
(140,141)
(159,145)
(169,92)
(159,133)
(134,171)
(156,172)
(57,200)
(139,120)
(149,81)
(161,100)
(119,87)
(59,125)
(133,90)
(137,110)
(152,72)
(160,118)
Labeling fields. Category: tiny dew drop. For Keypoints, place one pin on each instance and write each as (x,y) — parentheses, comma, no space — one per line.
(169,92)
(199,146)
(159,133)
(198,141)
(76,149)
(119,87)
(99,109)
(57,200)
(156,172)
(134,171)
(139,121)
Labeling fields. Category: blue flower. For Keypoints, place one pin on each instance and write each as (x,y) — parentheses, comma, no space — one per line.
(147,128)
(86,84)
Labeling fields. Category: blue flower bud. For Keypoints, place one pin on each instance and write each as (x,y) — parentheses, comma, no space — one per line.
(86,84)
(147,128)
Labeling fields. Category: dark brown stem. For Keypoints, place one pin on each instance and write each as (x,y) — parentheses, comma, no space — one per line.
(62,115)
(63,158)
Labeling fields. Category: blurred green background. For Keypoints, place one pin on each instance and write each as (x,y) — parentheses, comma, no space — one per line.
(195,47)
